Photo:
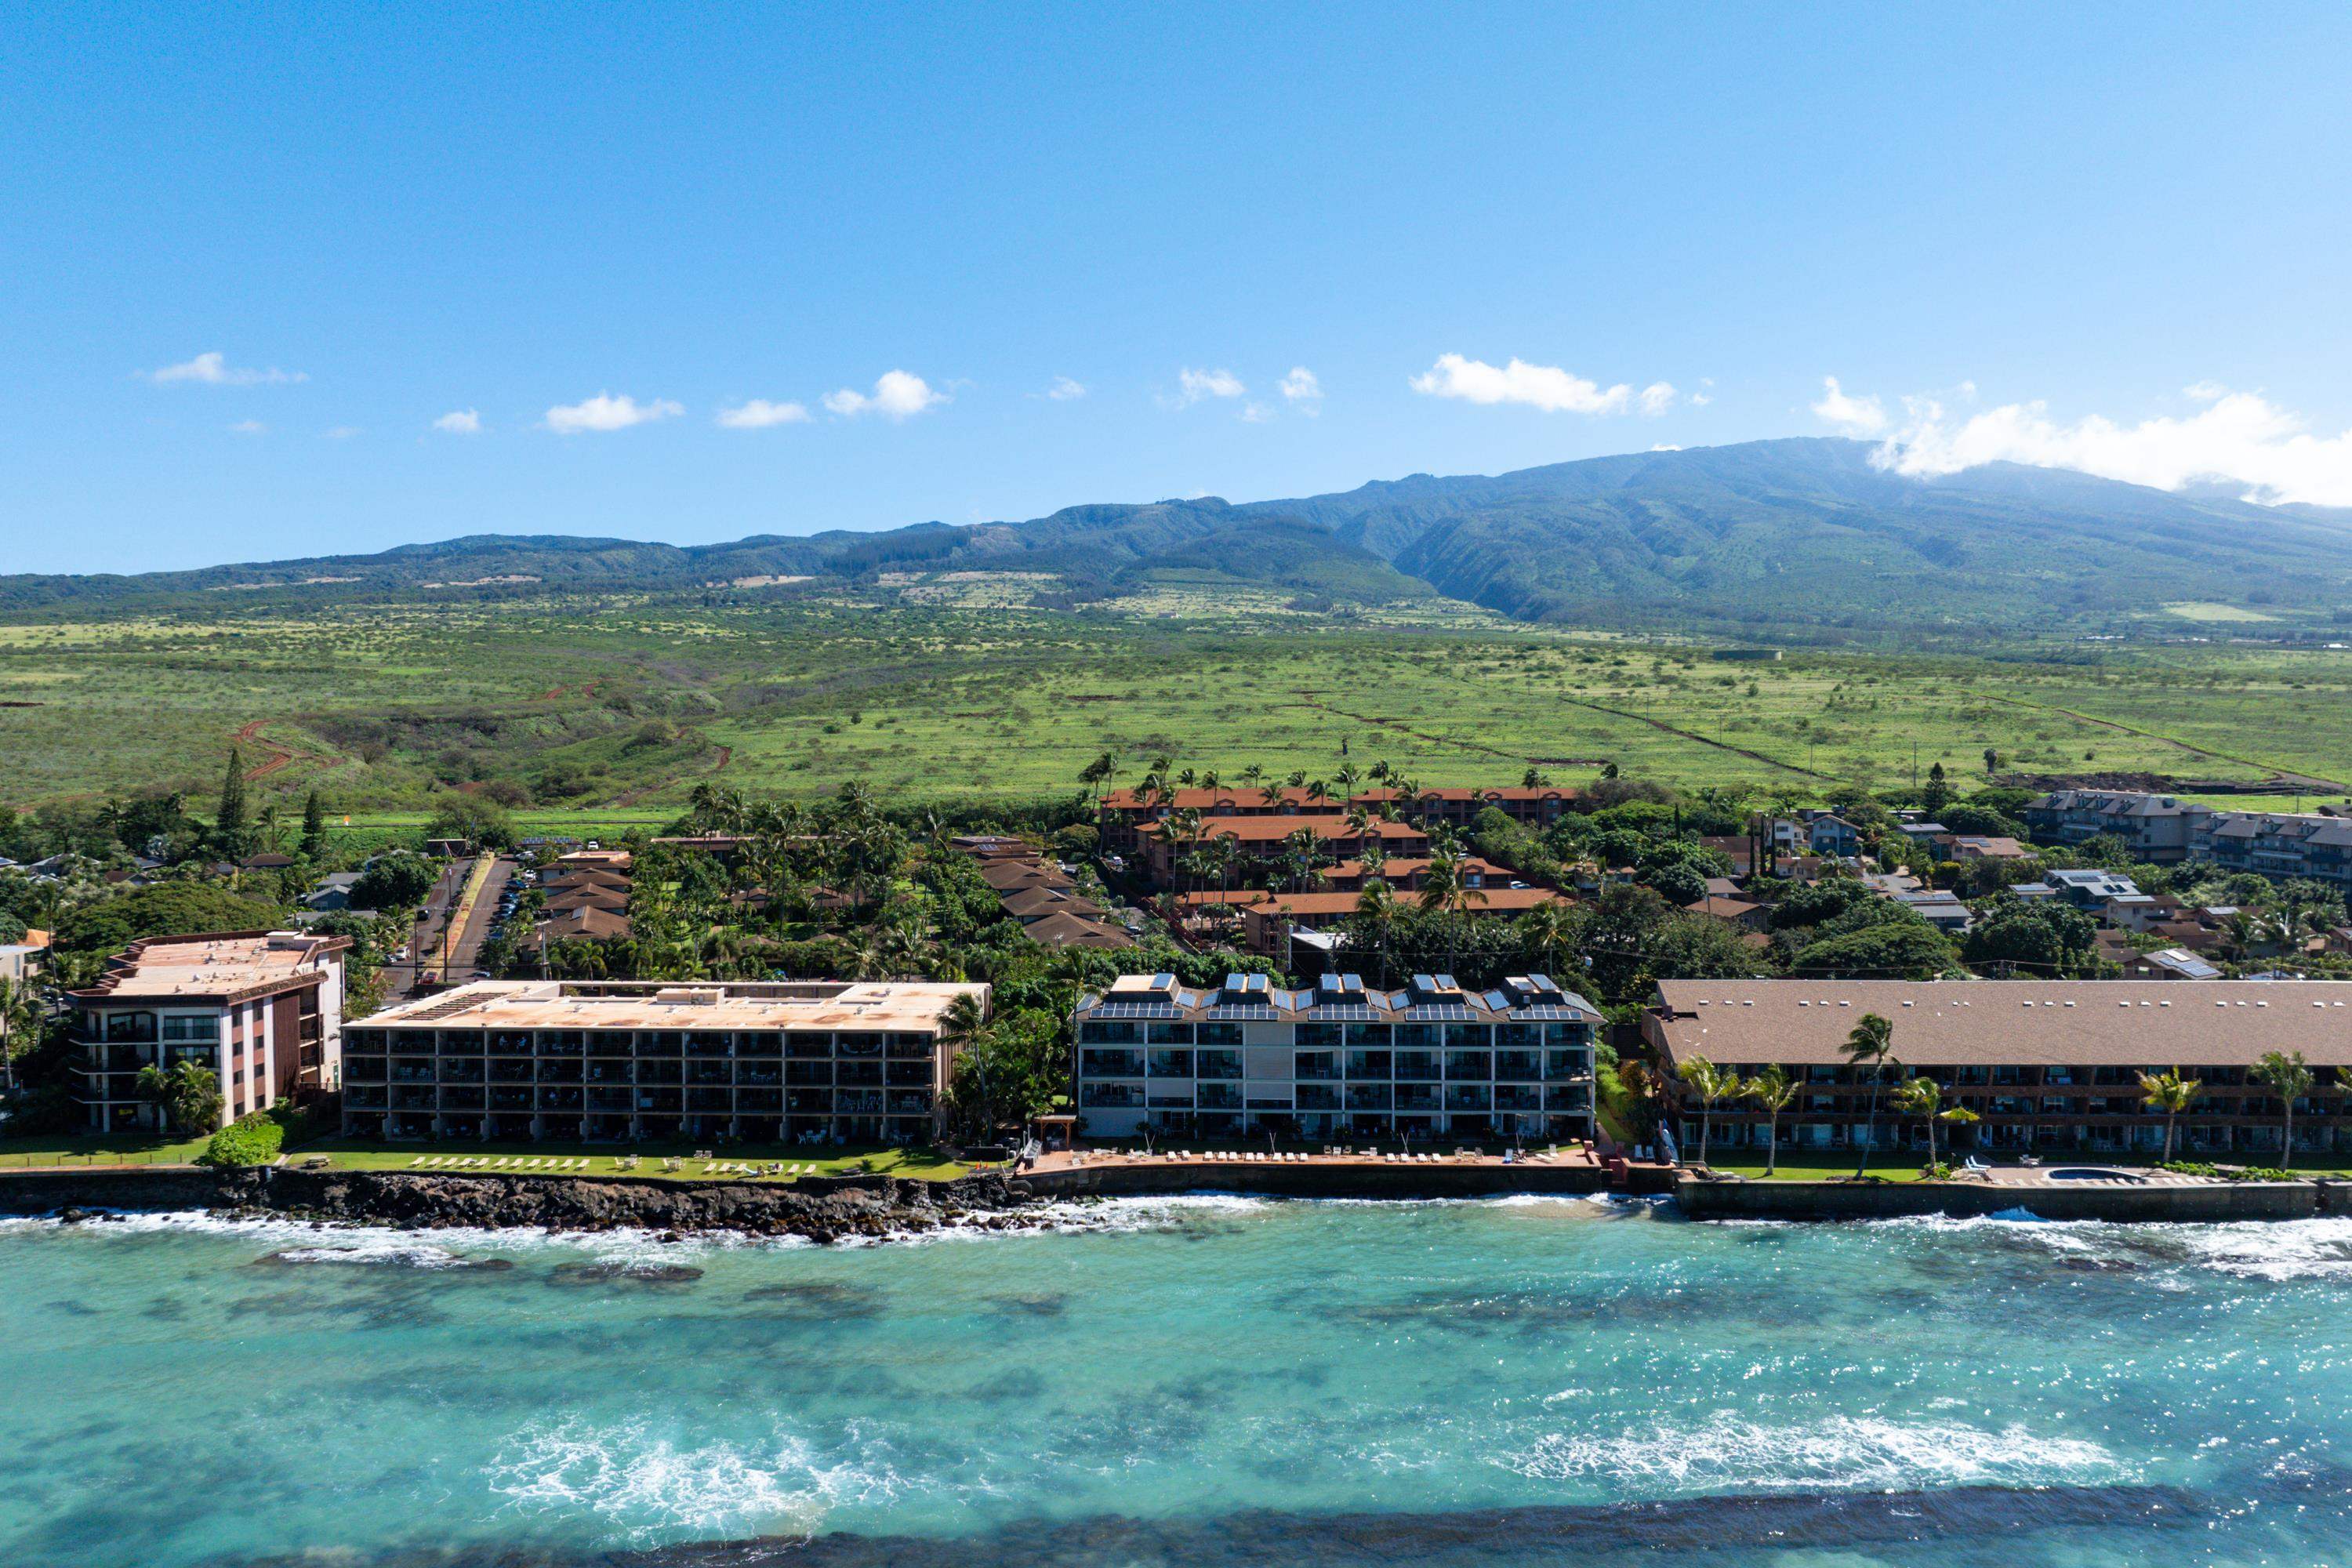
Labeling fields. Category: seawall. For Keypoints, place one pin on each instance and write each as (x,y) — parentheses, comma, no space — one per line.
(1319,1181)
(2198,1202)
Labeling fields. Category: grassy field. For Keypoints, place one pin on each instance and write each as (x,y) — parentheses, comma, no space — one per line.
(16,1153)
(609,710)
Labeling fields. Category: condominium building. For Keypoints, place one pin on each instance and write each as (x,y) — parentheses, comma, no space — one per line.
(1122,815)
(2160,828)
(615,1061)
(2043,1064)
(1339,1059)
(1261,844)
(2277,844)
(262,1009)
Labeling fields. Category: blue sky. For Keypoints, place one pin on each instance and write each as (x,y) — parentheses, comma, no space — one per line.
(2114,238)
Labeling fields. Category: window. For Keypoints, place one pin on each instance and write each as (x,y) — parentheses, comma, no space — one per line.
(191,1029)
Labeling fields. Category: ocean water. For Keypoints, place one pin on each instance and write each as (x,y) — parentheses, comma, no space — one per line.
(1200,1382)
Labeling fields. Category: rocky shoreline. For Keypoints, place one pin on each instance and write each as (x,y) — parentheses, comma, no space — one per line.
(856,1209)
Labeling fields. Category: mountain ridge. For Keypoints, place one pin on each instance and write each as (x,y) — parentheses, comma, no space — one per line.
(1800,533)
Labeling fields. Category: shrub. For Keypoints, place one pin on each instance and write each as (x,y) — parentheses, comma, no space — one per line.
(254,1141)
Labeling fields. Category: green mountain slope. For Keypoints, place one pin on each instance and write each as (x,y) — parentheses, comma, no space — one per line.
(1801,538)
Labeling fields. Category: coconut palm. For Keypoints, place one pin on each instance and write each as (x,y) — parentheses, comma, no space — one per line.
(186,1095)
(1545,931)
(1097,774)
(2172,1094)
(1712,1085)
(2290,1078)
(1870,1046)
(1923,1097)
(1772,1089)
(20,1026)
(1378,908)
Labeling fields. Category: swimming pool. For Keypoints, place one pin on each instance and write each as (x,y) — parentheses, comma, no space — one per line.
(2093,1173)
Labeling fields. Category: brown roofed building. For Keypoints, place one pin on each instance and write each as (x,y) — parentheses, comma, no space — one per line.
(1036,903)
(1262,839)
(2045,1064)
(1064,929)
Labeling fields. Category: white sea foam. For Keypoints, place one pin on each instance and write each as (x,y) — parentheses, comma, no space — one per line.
(1856,1453)
(2271,1250)
(654,1487)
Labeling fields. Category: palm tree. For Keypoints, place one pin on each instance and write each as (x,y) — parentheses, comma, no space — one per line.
(1544,931)
(1923,1097)
(1870,1046)
(2172,1094)
(1270,793)
(186,1096)
(1097,774)
(2290,1078)
(20,1019)
(1348,777)
(1533,779)
(1252,773)
(1711,1084)
(1772,1089)
(1377,908)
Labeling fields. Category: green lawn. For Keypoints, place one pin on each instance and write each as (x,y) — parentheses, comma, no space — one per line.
(922,1164)
(117,1150)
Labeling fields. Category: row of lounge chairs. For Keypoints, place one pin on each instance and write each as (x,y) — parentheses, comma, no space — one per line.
(494,1163)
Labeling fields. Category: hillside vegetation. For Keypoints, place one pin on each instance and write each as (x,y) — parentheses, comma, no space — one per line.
(1791,540)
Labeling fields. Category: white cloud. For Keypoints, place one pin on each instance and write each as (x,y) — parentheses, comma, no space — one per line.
(213,369)
(340,432)
(2240,437)
(1302,391)
(759,414)
(250,427)
(896,395)
(1197,384)
(1854,415)
(1705,394)
(1064,390)
(607,412)
(1665,447)
(1657,398)
(459,421)
(1544,386)
(1256,414)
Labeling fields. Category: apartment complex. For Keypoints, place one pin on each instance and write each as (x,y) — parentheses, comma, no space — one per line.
(2160,829)
(1122,815)
(610,1062)
(262,1009)
(1337,1060)
(2045,1064)
(1263,844)
(2278,843)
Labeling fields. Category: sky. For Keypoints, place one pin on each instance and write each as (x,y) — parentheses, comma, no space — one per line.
(284,281)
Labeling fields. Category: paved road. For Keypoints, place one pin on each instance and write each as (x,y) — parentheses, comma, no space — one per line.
(426,940)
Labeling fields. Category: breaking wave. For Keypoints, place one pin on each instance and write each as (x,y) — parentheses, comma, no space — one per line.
(1843,1453)
(657,1487)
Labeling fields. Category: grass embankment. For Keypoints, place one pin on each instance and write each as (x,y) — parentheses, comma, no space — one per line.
(919,1165)
(144,1149)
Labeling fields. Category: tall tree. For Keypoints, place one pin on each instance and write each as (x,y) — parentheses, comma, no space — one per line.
(228,822)
(1713,1086)
(1923,1097)
(2172,1094)
(186,1095)
(2290,1078)
(314,826)
(1772,1089)
(1870,1047)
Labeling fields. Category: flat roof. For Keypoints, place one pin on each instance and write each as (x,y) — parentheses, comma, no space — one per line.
(692,1005)
(217,966)
(2058,1023)
(1335,999)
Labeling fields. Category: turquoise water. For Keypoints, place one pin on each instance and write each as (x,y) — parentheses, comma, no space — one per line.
(1205,1382)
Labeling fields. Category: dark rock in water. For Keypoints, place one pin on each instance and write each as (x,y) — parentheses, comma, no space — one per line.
(69,1215)
(622,1271)
(2098,1266)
